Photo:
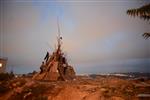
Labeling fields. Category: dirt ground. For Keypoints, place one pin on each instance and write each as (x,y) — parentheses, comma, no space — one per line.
(101,88)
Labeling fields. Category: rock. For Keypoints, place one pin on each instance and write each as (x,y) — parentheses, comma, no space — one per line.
(70,73)
(18,90)
(94,96)
(116,98)
(68,93)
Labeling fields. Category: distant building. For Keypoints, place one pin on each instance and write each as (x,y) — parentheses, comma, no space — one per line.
(3,62)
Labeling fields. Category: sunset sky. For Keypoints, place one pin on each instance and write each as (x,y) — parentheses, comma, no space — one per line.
(98,35)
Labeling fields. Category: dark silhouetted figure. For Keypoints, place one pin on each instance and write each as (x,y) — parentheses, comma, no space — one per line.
(47,56)
(42,68)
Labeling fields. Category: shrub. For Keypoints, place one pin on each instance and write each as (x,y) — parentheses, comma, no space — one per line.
(3,89)
(39,89)
(6,76)
(40,97)
(35,92)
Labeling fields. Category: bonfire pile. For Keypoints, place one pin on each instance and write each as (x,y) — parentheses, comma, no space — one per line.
(55,66)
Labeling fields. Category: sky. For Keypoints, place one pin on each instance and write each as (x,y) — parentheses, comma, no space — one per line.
(98,35)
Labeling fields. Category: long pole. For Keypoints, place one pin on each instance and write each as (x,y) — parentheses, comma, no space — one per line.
(58,27)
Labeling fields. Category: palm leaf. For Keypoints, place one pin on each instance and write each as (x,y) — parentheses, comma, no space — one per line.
(146,35)
(142,12)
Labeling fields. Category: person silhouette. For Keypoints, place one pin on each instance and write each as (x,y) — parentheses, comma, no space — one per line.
(46,57)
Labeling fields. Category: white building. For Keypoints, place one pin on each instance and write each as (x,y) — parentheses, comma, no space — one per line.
(3,62)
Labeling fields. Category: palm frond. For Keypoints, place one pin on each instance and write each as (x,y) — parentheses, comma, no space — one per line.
(142,12)
(146,35)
